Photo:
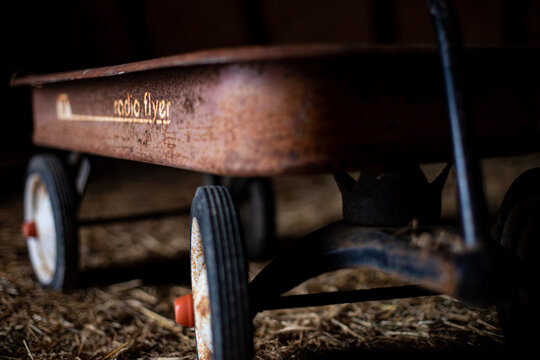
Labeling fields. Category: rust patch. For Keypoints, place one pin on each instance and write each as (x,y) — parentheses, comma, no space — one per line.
(203,307)
(197,254)
(442,241)
(263,114)
(203,352)
(44,266)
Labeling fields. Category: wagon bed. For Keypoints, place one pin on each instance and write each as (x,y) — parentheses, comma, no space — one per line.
(267,111)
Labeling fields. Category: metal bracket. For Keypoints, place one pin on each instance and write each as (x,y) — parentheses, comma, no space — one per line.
(440,265)
(341,245)
(391,196)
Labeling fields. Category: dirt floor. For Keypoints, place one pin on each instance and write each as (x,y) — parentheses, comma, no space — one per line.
(132,272)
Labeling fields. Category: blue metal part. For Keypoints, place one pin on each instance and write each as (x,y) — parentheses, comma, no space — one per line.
(341,245)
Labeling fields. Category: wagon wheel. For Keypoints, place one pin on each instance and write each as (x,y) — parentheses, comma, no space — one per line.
(223,327)
(254,200)
(518,230)
(49,222)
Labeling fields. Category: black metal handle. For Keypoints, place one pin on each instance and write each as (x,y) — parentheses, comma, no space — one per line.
(469,177)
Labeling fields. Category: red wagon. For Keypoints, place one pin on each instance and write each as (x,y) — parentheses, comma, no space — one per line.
(261,112)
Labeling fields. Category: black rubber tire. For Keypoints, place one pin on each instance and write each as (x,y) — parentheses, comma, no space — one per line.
(254,200)
(64,199)
(231,324)
(518,230)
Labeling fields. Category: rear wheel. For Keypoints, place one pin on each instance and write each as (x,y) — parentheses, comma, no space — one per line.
(518,230)
(49,222)
(254,200)
(223,325)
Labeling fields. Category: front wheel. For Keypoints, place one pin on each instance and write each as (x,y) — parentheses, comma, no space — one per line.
(223,325)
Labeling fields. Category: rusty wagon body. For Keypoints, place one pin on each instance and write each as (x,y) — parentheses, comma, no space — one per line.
(266,111)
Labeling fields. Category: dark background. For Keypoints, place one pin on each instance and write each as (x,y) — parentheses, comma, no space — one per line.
(53,36)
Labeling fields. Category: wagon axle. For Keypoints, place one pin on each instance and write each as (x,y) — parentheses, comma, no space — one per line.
(184,314)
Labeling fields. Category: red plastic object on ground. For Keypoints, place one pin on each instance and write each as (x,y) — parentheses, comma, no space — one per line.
(183,311)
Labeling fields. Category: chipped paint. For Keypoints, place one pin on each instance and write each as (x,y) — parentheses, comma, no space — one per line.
(201,298)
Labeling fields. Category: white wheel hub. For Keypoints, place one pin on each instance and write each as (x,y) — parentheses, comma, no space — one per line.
(201,295)
(42,248)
